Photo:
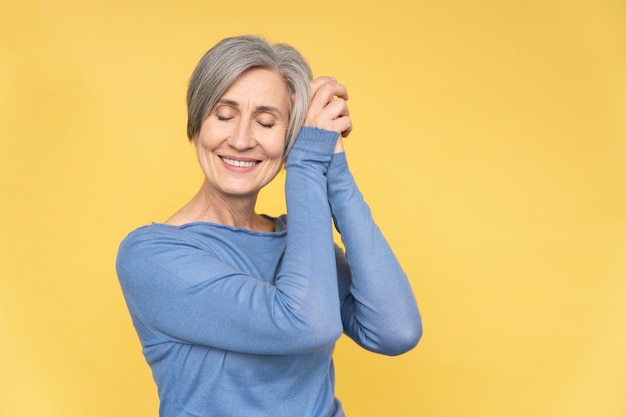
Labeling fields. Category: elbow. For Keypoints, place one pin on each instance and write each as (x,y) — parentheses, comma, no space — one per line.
(314,336)
(316,340)
(304,330)
(329,335)
(400,339)
(404,340)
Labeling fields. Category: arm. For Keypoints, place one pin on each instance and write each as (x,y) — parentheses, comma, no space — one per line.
(379,312)
(378,308)
(185,293)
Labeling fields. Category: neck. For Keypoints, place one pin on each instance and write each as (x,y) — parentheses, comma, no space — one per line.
(209,206)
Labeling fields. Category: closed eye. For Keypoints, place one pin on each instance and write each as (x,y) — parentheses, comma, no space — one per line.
(224,112)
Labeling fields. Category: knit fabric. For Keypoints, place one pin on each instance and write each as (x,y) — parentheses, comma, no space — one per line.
(235,322)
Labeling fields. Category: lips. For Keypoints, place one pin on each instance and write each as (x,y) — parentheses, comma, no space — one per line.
(238,163)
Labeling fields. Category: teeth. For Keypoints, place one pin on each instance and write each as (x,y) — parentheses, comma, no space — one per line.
(242,164)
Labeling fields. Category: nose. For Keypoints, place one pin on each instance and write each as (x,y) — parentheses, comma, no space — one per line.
(241,137)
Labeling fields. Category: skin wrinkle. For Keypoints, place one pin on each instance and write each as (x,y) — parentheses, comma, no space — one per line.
(214,286)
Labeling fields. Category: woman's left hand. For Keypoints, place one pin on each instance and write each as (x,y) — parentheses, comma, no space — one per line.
(328,108)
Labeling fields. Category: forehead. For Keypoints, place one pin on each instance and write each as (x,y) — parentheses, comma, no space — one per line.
(259,86)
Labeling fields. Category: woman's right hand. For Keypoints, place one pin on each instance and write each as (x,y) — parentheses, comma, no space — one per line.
(328,108)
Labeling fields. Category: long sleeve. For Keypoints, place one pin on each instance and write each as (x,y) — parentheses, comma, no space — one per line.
(379,310)
(201,290)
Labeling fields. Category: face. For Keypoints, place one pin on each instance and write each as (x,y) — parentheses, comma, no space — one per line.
(241,143)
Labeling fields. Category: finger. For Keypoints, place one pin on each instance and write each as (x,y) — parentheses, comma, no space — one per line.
(341,91)
(333,89)
(346,133)
(328,87)
(337,108)
(318,82)
(343,125)
(325,96)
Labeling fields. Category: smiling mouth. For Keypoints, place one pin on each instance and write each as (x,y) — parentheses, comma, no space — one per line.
(239,164)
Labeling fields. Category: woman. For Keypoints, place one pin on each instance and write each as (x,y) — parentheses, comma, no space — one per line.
(238,312)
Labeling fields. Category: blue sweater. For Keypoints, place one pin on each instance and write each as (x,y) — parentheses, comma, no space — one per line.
(241,323)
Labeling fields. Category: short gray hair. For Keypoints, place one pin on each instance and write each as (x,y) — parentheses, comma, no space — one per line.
(228,59)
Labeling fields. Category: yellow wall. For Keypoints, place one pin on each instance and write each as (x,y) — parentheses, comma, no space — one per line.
(489,139)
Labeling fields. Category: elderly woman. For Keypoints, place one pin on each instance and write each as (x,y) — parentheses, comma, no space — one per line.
(238,312)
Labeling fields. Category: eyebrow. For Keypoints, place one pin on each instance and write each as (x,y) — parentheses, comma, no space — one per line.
(258,108)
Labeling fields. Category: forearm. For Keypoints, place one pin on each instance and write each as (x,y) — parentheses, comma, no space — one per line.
(380,312)
(205,289)
(307,280)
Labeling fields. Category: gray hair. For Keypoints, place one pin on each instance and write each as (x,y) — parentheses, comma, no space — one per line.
(231,57)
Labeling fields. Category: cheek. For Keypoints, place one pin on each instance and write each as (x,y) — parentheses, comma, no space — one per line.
(211,134)
(278,150)
(273,144)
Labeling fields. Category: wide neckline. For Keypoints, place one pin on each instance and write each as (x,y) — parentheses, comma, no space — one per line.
(281,226)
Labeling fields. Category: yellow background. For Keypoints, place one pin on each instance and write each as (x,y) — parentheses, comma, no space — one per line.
(489,139)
